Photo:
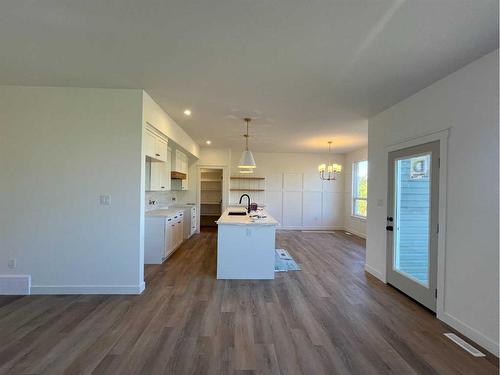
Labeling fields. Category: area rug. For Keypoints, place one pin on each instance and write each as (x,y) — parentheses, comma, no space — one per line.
(284,262)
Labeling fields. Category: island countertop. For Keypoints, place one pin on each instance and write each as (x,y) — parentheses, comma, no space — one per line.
(227,219)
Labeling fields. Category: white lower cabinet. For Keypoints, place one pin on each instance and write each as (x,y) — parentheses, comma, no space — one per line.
(162,236)
(176,232)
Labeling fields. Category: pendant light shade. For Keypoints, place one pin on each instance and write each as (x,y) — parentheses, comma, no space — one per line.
(247,161)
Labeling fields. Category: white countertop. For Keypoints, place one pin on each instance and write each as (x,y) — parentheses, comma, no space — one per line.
(164,212)
(226,219)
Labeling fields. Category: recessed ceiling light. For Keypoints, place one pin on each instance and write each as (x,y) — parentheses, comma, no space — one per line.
(208,142)
(187,112)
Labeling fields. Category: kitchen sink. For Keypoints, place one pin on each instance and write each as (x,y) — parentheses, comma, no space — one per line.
(237,213)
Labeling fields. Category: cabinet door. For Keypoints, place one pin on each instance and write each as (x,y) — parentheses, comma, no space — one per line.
(166,245)
(171,235)
(161,148)
(178,161)
(156,177)
(149,144)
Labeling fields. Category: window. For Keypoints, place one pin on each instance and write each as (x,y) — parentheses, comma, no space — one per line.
(359,188)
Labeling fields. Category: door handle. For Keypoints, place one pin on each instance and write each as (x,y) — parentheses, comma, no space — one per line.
(390,218)
(389,228)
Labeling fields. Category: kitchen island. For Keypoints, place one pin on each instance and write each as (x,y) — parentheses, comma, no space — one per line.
(245,245)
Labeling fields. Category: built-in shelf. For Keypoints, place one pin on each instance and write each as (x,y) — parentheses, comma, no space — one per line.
(210,214)
(247,189)
(210,180)
(247,178)
(208,202)
(211,189)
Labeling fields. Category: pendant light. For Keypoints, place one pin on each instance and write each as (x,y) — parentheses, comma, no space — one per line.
(329,171)
(247,161)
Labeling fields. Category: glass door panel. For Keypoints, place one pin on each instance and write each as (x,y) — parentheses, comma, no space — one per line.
(411,232)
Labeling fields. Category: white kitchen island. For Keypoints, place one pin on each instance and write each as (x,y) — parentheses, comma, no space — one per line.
(245,246)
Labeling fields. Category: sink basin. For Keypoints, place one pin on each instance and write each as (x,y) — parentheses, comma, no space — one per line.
(237,213)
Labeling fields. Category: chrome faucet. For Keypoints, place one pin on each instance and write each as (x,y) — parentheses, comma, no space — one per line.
(248,196)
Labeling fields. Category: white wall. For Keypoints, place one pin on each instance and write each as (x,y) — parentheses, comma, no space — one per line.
(295,195)
(353,224)
(60,149)
(467,103)
(154,115)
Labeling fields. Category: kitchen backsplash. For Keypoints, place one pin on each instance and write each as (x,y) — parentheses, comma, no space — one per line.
(164,198)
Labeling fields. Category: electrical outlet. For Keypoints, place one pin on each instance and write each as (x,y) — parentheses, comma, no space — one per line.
(12,264)
(105,200)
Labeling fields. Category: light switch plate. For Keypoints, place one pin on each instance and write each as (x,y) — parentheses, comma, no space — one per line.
(105,200)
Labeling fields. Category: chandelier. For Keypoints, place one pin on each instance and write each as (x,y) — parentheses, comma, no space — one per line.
(329,171)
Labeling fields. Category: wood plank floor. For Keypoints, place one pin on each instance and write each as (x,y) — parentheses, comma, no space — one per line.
(329,318)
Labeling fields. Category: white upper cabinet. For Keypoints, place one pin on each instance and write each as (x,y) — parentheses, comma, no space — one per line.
(161,147)
(155,146)
(149,144)
(180,163)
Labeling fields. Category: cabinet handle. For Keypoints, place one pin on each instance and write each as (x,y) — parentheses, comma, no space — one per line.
(157,154)
(163,187)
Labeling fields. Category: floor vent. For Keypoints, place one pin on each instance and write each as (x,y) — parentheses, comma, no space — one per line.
(464,345)
(15,285)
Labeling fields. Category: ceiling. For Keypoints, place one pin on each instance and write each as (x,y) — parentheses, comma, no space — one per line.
(307,71)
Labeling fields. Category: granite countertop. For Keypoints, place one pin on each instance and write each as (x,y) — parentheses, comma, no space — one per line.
(226,219)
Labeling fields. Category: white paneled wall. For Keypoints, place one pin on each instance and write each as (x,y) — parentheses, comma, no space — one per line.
(304,201)
(294,194)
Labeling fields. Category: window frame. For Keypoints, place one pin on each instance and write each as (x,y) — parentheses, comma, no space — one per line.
(354,190)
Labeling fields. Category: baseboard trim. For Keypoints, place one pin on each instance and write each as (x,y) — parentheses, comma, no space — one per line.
(374,272)
(309,228)
(88,289)
(471,333)
(355,233)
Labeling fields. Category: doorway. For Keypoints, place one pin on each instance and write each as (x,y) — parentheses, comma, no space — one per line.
(412,221)
(210,196)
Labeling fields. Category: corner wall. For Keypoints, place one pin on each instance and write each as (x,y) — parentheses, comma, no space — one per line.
(466,102)
(60,150)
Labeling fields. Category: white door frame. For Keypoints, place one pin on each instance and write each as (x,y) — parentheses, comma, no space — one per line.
(442,137)
(225,188)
